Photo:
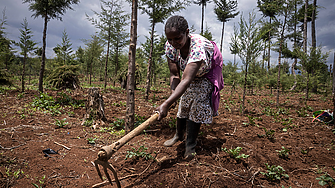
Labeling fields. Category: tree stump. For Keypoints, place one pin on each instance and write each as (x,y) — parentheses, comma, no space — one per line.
(95,108)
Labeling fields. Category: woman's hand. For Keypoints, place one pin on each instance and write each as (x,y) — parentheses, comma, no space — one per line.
(162,110)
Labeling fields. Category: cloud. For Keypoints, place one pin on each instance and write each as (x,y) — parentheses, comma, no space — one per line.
(78,27)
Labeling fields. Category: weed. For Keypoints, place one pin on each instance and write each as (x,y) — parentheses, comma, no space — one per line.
(61,123)
(40,181)
(274,173)
(173,122)
(140,152)
(268,134)
(91,140)
(326,179)
(235,153)
(70,114)
(139,120)
(283,153)
(119,123)
(20,95)
(88,122)
(15,174)
(252,121)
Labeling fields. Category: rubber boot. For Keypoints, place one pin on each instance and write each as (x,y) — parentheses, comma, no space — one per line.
(191,139)
(179,135)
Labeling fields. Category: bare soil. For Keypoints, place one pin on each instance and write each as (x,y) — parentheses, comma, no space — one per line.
(24,133)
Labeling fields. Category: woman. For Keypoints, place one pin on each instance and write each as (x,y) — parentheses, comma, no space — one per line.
(199,87)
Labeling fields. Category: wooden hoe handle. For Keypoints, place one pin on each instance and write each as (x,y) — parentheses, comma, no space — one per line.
(106,152)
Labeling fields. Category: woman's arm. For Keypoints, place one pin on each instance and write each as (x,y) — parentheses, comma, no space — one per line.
(189,74)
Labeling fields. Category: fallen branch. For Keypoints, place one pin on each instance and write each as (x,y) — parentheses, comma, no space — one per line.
(62,146)
(1,147)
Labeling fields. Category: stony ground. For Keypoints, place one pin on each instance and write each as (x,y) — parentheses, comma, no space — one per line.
(298,152)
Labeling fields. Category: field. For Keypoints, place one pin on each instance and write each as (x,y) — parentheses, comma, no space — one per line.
(234,151)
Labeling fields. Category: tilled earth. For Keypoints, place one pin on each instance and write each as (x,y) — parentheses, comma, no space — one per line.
(261,132)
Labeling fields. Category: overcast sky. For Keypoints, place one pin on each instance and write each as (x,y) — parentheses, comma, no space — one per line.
(78,27)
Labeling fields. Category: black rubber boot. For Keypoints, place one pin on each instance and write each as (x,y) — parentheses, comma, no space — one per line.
(179,135)
(191,139)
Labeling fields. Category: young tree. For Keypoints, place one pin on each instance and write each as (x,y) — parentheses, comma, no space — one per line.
(158,11)
(93,51)
(27,46)
(270,9)
(249,44)
(203,4)
(5,43)
(48,9)
(119,37)
(224,12)
(130,114)
(104,23)
(64,50)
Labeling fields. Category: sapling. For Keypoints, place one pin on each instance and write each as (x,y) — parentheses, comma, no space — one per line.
(235,153)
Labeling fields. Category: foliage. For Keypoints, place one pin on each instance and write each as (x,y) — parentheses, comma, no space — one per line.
(46,102)
(64,50)
(140,152)
(283,153)
(61,123)
(268,134)
(91,140)
(274,173)
(326,179)
(235,153)
(64,77)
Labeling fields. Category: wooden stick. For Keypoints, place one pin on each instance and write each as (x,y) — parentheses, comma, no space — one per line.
(62,145)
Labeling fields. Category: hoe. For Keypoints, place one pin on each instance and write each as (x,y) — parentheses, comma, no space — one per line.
(106,152)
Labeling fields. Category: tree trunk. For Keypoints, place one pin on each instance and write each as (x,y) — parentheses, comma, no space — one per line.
(106,63)
(305,27)
(315,85)
(222,34)
(147,90)
(116,61)
(334,85)
(269,49)
(202,18)
(279,56)
(245,85)
(305,44)
(131,69)
(295,46)
(40,80)
(23,69)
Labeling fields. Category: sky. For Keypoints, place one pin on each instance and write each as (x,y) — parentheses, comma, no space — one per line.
(78,27)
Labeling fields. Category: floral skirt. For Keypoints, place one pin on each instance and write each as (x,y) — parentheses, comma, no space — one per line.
(195,103)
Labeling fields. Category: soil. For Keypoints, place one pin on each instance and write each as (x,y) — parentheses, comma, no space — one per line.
(24,133)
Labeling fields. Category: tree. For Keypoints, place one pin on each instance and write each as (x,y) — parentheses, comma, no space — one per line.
(233,45)
(48,9)
(6,53)
(224,12)
(27,46)
(119,37)
(158,11)
(203,4)
(104,23)
(285,11)
(270,9)
(312,61)
(249,44)
(296,37)
(130,114)
(64,49)
(93,52)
